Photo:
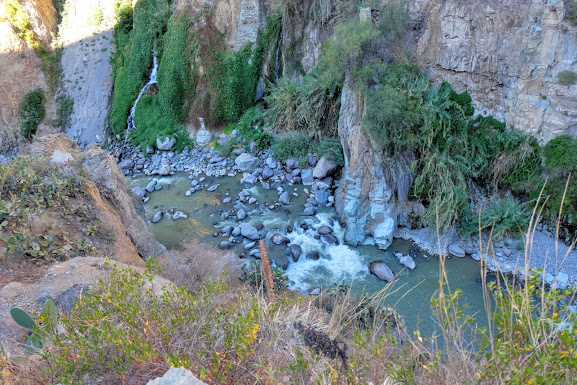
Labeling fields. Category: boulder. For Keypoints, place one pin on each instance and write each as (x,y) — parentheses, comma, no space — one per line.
(249,232)
(248,178)
(307,177)
(292,163)
(139,192)
(323,230)
(309,212)
(157,217)
(383,233)
(456,251)
(267,172)
(126,164)
(61,158)
(164,170)
(279,239)
(381,271)
(331,239)
(314,255)
(165,144)
(247,162)
(322,197)
(324,168)
(213,187)
(203,137)
(407,261)
(224,245)
(295,251)
(176,376)
(241,214)
(178,215)
(284,198)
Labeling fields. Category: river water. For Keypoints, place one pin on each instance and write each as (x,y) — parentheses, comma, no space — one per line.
(409,293)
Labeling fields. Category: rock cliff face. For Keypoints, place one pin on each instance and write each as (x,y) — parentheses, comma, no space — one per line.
(507,54)
(21,69)
(365,199)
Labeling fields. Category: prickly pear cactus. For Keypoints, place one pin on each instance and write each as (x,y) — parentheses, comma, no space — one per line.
(22,318)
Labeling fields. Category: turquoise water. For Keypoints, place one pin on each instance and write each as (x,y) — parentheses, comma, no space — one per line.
(409,293)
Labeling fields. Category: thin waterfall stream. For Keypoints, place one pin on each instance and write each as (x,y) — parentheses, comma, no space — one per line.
(153,80)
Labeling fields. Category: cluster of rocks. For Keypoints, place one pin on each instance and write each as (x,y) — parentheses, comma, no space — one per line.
(478,249)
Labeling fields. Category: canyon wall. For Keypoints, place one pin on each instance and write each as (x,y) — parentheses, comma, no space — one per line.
(507,54)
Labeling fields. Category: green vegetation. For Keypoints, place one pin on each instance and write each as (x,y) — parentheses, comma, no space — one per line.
(560,165)
(567,78)
(305,106)
(572,12)
(96,18)
(407,114)
(299,145)
(34,195)
(125,328)
(138,34)
(234,76)
(33,111)
(503,217)
(40,334)
(65,109)
(161,115)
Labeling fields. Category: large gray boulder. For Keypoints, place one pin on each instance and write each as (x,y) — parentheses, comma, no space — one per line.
(381,270)
(249,232)
(383,233)
(456,251)
(203,137)
(279,239)
(284,198)
(165,144)
(307,176)
(324,168)
(407,261)
(247,162)
(176,376)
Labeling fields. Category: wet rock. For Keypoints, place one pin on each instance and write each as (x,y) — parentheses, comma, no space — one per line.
(241,214)
(226,230)
(324,168)
(224,245)
(456,251)
(279,239)
(307,177)
(322,197)
(323,230)
(265,186)
(254,253)
(150,187)
(331,239)
(178,215)
(139,192)
(408,261)
(309,211)
(249,232)
(249,245)
(164,170)
(280,260)
(251,200)
(226,200)
(236,232)
(289,229)
(188,193)
(295,251)
(247,162)
(296,172)
(381,271)
(383,233)
(157,217)
(314,255)
(165,144)
(213,187)
(248,178)
(284,198)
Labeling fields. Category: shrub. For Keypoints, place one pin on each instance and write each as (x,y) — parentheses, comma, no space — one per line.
(503,217)
(303,106)
(32,111)
(299,145)
(567,78)
(65,109)
(561,155)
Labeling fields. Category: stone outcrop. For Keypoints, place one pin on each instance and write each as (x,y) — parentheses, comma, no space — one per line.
(507,55)
(118,209)
(365,199)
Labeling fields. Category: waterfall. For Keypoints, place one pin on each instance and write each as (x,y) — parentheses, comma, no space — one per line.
(153,80)
(277,62)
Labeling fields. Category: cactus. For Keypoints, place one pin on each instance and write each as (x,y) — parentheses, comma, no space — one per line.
(49,316)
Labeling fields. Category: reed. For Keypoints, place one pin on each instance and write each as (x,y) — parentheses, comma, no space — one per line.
(265,266)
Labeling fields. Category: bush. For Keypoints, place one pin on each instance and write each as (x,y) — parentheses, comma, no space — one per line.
(503,217)
(303,106)
(65,109)
(32,111)
(299,145)
(567,78)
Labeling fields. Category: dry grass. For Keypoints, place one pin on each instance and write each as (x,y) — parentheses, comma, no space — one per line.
(194,262)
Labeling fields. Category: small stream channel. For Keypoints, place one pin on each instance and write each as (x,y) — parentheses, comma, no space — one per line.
(338,264)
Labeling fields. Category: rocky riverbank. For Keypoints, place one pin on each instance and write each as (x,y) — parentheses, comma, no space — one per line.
(262,170)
